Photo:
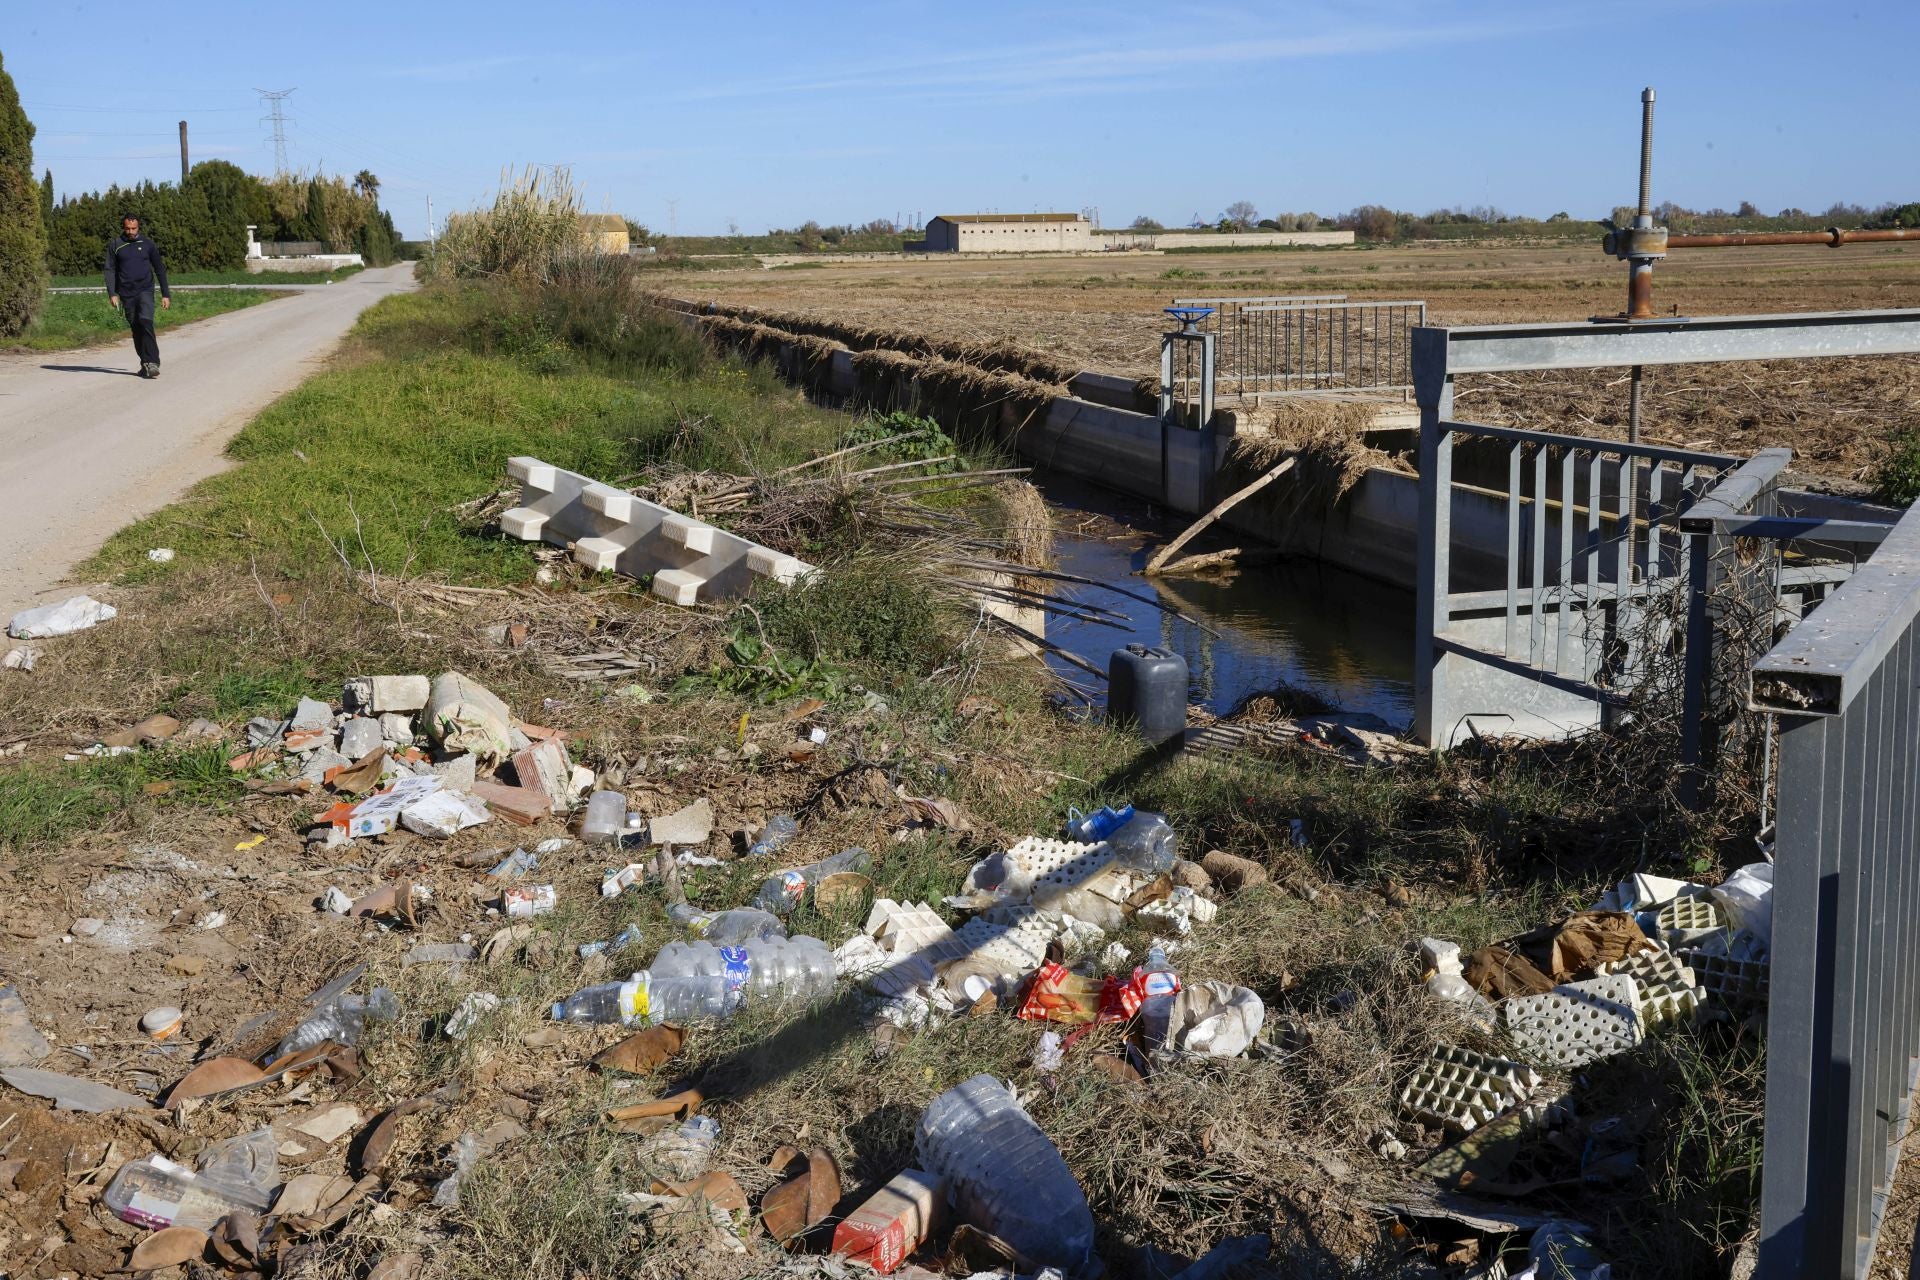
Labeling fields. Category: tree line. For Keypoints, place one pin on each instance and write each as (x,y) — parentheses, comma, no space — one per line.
(201,224)
(1379,223)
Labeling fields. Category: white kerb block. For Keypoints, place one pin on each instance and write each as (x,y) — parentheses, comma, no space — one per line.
(689,533)
(523,523)
(678,586)
(597,554)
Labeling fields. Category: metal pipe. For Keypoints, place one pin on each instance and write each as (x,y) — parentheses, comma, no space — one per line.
(1832,237)
(1646,154)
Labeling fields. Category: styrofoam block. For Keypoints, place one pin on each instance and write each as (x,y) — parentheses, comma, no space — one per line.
(523,523)
(694,535)
(678,586)
(1577,1022)
(766,563)
(533,473)
(1689,918)
(615,504)
(1463,1090)
(598,554)
(1669,990)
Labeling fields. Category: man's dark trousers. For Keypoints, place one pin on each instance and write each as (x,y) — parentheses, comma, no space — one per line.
(139,309)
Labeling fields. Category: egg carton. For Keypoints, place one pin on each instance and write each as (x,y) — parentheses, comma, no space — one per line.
(1689,918)
(1669,990)
(1577,1022)
(1015,938)
(904,928)
(1735,974)
(1462,1090)
(609,529)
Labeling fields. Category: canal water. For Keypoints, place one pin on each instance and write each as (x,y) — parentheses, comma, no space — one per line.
(1297,623)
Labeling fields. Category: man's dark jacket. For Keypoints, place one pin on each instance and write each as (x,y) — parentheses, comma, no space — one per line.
(132,267)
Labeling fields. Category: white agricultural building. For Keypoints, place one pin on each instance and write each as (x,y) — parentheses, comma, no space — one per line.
(1009,233)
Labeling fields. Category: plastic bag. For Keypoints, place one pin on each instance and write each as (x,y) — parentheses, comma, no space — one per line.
(1747,898)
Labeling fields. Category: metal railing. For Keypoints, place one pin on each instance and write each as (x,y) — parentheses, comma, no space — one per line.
(1592,531)
(1304,343)
(1843,1024)
(1456,676)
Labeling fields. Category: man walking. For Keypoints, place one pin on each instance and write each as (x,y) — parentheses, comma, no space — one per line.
(133,264)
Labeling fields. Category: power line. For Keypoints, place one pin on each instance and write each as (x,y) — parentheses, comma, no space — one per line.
(132,111)
(273,98)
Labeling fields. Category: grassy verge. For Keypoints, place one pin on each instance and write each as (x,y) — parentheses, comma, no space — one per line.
(86,320)
(223,277)
(326,552)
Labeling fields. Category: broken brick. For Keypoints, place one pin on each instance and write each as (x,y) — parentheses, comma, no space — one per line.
(522,806)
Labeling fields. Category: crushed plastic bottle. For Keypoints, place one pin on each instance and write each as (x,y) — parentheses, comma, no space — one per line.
(1092,828)
(732,928)
(466,1154)
(687,1150)
(1144,843)
(775,836)
(785,891)
(619,942)
(518,863)
(1446,979)
(238,1174)
(342,1021)
(1004,1175)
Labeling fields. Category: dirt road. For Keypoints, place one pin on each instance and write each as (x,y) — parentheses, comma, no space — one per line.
(86,445)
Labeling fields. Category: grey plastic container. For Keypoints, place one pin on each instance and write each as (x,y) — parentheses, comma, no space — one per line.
(1148,689)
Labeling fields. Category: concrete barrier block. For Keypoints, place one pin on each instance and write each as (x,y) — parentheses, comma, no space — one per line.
(1462,1090)
(685,531)
(783,569)
(611,529)
(615,505)
(678,586)
(1578,1022)
(523,523)
(532,474)
(598,554)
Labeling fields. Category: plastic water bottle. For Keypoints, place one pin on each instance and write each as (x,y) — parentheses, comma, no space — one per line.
(768,970)
(645,999)
(343,1021)
(1004,1175)
(1144,844)
(1160,988)
(732,928)
(1094,827)
(783,892)
(775,836)
(606,819)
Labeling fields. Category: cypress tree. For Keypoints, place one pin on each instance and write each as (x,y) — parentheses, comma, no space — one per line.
(23,234)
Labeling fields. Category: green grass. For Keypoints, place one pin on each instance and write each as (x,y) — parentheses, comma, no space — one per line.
(92,279)
(378,453)
(41,803)
(86,320)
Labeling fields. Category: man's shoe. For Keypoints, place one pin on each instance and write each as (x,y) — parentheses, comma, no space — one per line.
(146,370)
(154,369)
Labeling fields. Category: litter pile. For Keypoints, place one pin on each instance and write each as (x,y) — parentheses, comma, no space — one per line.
(1553,1003)
(254,1148)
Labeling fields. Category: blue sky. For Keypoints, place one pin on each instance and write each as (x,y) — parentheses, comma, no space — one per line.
(703,115)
